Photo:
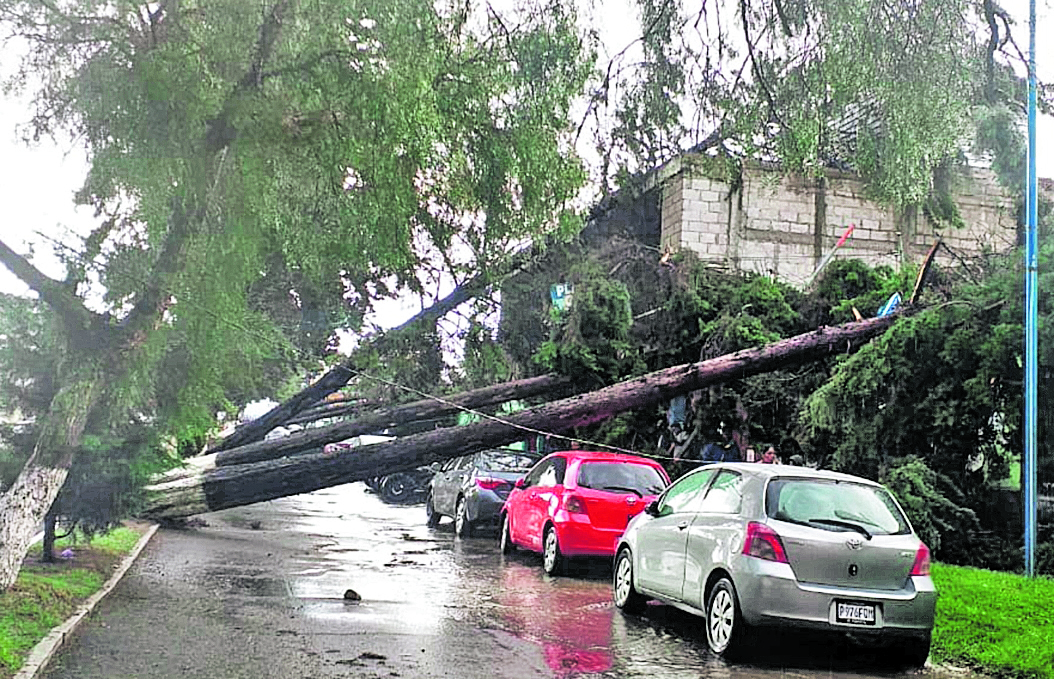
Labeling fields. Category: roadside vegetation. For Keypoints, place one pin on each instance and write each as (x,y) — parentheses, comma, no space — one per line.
(46,594)
(999,623)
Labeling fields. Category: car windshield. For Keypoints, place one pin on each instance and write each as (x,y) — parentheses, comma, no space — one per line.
(835,505)
(507,461)
(621,477)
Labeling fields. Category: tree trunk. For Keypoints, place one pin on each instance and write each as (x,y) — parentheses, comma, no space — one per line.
(312,440)
(26,503)
(47,545)
(339,375)
(232,486)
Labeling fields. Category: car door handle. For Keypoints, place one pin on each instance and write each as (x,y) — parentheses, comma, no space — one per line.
(682,525)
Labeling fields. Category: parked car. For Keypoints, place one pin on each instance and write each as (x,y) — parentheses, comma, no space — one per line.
(749,545)
(577,503)
(404,488)
(473,488)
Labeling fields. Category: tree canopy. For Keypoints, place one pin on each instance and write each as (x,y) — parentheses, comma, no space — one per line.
(342,149)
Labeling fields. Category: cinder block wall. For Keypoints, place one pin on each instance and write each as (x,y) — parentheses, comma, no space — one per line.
(783,225)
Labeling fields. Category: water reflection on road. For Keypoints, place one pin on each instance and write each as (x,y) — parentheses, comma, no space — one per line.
(387,554)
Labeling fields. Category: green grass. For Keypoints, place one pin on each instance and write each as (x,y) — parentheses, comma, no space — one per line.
(999,622)
(46,594)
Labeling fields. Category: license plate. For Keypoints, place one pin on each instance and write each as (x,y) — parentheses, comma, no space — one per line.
(855,614)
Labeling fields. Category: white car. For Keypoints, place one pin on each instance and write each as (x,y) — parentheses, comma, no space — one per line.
(748,545)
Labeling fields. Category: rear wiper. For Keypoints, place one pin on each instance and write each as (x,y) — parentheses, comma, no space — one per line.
(843,524)
(632,490)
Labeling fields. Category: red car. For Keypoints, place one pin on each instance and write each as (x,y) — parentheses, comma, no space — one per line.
(577,503)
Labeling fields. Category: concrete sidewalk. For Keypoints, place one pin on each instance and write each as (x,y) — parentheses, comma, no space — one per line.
(43,652)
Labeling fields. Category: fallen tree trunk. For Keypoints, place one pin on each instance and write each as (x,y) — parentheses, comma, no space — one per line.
(232,486)
(339,375)
(312,440)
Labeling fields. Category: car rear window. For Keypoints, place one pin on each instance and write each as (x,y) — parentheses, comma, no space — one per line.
(507,461)
(835,505)
(621,477)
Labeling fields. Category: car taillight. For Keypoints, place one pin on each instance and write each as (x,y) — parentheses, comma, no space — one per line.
(574,504)
(490,484)
(922,561)
(764,543)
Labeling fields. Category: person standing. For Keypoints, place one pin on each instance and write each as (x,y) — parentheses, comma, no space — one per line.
(770,456)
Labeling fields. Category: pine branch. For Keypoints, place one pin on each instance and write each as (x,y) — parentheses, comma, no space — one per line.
(57,296)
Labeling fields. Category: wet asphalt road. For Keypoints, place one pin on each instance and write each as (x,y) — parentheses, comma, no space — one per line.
(259,592)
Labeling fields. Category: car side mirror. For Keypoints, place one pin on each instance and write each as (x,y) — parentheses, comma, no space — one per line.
(520,483)
(652,509)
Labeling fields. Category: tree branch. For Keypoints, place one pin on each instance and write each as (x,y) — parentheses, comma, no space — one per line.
(339,375)
(67,305)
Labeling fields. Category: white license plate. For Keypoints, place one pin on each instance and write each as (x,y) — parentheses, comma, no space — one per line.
(855,614)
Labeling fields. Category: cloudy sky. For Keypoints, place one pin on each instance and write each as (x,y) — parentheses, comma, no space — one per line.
(37,182)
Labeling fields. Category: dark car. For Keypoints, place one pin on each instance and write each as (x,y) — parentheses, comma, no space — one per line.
(473,488)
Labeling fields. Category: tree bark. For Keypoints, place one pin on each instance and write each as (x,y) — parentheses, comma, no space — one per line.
(236,485)
(47,544)
(550,386)
(25,504)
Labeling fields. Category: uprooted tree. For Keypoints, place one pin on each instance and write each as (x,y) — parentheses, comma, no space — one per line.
(198,490)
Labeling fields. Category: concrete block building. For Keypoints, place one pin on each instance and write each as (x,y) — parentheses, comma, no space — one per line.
(765,221)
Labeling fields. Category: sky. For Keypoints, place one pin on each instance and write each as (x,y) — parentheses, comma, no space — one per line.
(37,183)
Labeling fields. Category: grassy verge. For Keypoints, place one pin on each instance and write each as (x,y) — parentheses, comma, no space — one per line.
(1000,623)
(46,594)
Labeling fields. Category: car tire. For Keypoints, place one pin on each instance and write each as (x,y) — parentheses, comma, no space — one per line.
(625,594)
(433,517)
(727,634)
(552,559)
(462,524)
(505,543)
(914,651)
(397,488)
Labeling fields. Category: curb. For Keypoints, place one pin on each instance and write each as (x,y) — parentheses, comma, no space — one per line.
(42,653)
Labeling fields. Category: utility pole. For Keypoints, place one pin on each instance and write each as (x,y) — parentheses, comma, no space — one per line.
(1028,463)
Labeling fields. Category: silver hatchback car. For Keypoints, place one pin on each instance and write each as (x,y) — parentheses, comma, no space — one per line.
(749,545)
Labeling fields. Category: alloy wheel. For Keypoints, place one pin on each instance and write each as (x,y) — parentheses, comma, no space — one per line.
(462,526)
(623,580)
(721,619)
(552,561)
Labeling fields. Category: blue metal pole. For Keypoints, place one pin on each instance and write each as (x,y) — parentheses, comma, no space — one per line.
(1028,464)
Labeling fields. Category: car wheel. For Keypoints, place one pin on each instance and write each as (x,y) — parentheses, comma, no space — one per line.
(397,488)
(505,543)
(726,632)
(552,559)
(626,595)
(913,652)
(462,525)
(430,512)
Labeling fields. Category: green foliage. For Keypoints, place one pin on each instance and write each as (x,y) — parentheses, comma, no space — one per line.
(847,84)
(756,313)
(924,495)
(590,339)
(485,361)
(105,483)
(275,190)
